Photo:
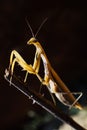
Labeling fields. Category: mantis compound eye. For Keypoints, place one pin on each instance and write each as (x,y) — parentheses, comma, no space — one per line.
(35,40)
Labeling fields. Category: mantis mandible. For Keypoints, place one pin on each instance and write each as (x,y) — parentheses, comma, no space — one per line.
(51,79)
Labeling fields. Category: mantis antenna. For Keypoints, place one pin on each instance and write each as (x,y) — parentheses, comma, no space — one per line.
(38,28)
(29,27)
(41,26)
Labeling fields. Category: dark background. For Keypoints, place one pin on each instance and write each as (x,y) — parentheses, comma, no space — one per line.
(63,37)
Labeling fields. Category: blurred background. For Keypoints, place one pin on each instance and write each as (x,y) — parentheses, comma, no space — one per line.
(64,40)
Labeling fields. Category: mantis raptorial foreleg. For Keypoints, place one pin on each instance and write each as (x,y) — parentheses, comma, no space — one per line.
(16,57)
(36,65)
(20,61)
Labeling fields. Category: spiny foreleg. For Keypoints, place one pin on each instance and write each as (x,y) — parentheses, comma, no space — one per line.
(36,66)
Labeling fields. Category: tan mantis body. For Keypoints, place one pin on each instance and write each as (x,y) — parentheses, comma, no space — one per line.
(51,78)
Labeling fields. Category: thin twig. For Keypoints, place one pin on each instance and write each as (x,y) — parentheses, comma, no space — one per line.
(45,104)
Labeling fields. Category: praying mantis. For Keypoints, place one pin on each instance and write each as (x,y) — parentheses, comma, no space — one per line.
(51,79)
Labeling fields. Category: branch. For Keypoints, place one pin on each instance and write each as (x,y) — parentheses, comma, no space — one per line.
(44,103)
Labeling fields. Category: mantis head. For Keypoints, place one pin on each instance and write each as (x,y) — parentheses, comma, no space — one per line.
(32,40)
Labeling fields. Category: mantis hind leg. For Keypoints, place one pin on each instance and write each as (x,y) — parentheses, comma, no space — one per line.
(77,99)
(61,97)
